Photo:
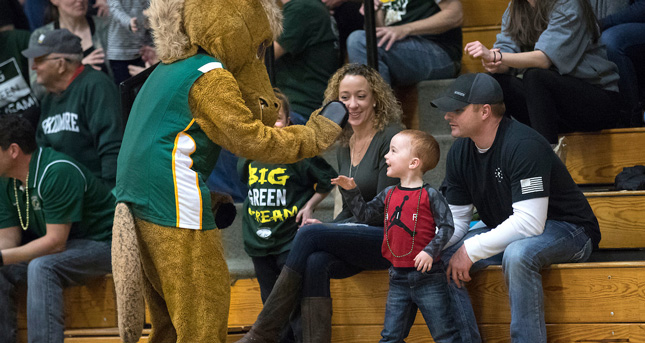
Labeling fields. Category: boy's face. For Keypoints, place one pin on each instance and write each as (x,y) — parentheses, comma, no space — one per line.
(399,157)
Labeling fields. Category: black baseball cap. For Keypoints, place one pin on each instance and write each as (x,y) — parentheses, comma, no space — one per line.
(57,41)
(469,89)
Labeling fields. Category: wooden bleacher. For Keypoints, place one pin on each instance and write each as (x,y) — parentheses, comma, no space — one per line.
(585,302)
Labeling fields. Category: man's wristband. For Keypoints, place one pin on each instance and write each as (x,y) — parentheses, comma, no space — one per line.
(500,55)
(1,259)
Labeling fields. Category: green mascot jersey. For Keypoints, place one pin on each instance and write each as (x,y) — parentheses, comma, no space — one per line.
(165,156)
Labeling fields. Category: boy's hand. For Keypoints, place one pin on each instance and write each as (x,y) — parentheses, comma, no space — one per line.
(310,221)
(304,215)
(423,261)
(344,182)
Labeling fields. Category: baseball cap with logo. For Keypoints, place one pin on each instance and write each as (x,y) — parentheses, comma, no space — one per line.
(470,89)
(57,41)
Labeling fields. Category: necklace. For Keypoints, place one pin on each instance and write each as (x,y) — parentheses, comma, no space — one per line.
(15,192)
(356,155)
(414,230)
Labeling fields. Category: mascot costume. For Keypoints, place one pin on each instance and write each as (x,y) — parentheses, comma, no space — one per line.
(210,91)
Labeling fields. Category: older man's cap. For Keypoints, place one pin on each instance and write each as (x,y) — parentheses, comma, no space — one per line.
(57,41)
(470,89)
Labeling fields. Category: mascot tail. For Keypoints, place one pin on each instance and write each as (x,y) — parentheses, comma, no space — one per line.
(128,275)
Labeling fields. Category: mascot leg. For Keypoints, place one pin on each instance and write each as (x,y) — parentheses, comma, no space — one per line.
(189,283)
(128,276)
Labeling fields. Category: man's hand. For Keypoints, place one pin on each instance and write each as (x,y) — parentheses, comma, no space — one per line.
(423,261)
(459,267)
(95,58)
(344,182)
(390,34)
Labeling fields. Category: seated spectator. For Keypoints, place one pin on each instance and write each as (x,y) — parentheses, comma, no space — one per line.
(623,33)
(306,55)
(127,34)
(80,114)
(568,83)
(348,19)
(534,215)
(417,40)
(276,207)
(92,30)
(15,94)
(345,247)
(13,12)
(48,195)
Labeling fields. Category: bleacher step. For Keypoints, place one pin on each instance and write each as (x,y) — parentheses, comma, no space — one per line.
(597,157)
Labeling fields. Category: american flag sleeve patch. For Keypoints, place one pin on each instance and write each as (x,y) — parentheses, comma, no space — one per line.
(532,185)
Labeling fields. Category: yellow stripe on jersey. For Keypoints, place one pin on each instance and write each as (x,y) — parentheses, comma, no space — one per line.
(188,199)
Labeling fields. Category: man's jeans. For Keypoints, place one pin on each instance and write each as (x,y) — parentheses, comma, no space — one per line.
(429,292)
(45,278)
(408,61)
(521,263)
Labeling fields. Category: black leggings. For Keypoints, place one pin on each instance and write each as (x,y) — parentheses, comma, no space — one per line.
(551,103)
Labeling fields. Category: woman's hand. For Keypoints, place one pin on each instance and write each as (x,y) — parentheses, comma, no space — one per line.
(103,10)
(133,25)
(344,182)
(495,67)
(95,58)
(478,50)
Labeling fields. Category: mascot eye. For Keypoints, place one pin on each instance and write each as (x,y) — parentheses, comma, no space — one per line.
(262,50)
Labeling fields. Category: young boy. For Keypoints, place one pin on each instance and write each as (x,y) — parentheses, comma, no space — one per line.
(418,224)
(280,196)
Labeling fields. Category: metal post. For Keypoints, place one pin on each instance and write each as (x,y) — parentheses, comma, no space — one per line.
(370,34)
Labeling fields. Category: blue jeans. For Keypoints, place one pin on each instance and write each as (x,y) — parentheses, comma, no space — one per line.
(323,251)
(45,278)
(408,61)
(624,41)
(521,263)
(429,292)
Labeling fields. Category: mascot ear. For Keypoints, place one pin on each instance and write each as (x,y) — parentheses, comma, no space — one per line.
(223,209)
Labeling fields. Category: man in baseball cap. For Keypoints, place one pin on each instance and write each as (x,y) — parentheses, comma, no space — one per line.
(80,112)
(57,41)
(533,214)
(470,89)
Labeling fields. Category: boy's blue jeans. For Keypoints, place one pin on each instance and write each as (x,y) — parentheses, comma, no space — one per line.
(429,292)
(45,278)
(521,263)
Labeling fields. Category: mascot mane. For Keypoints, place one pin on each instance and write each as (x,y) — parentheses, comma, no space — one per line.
(169,33)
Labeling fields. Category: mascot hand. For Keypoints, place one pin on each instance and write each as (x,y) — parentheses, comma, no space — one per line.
(336,112)
(223,209)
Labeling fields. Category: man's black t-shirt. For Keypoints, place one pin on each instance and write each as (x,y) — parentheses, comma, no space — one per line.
(520,165)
